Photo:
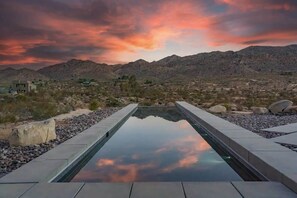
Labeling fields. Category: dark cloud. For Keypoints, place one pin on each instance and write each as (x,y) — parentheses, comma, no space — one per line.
(56,52)
(254,42)
(35,31)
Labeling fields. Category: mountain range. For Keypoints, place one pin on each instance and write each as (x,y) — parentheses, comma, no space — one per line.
(251,60)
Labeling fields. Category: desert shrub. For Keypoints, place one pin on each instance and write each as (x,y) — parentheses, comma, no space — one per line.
(42,111)
(146,103)
(94,105)
(112,102)
(148,82)
(8,118)
(22,98)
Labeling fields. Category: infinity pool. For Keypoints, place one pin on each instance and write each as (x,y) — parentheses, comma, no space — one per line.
(156,144)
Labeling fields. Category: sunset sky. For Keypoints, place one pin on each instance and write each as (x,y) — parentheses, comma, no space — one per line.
(36,33)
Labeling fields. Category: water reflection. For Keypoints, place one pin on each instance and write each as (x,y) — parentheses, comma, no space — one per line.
(156,145)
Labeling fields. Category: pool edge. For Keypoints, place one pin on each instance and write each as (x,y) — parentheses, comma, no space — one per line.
(47,169)
(260,157)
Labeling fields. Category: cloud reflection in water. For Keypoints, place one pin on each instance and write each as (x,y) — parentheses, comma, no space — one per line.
(155,148)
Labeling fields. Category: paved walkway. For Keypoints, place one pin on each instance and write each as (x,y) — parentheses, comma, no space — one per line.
(286,139)
(289,128)
(147,190)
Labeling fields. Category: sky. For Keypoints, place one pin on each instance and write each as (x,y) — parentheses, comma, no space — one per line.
(37,33)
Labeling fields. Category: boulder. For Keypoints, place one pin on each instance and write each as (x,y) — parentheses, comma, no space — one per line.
(232,106)
(33,133)
(291,86)
(242,112)
(259,110)
(218,109)
(5,130)
(170,104)
(280,106)
(206,104)
(291,109)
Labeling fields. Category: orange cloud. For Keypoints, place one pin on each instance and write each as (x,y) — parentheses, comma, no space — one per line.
(184,124)
(105,162)
(190,147)
(245,5)
(110,31)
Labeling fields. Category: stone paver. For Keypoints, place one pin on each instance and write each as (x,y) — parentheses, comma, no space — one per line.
(273,164)
(56,190)
(286,139)
(239,133)
(157,190)
(85,139)
(244,146)
(35,171)
(210,189)
(289,128)
(105,190)
(13,190)
(63,151)
(263,190)
(259,144)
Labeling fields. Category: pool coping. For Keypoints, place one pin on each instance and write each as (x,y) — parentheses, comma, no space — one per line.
(63,157)
(35,179)
(147,190)
(275,162)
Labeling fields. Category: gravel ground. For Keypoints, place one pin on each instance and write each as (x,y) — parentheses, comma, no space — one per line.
(12,158)
(255,123)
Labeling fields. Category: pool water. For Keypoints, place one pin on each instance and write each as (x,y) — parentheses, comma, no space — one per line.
(156,144)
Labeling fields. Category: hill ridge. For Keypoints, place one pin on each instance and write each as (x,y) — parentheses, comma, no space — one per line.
(250,60)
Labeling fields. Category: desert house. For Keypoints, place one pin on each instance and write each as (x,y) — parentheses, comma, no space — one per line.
(23,86)
(4,90)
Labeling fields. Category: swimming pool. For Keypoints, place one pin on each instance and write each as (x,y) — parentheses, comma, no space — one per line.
(159,144)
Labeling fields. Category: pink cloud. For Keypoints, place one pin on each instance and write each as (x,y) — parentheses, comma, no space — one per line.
(108,31)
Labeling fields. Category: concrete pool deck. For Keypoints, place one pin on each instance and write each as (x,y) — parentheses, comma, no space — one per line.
(272,160)
(34,179)
(284,129)
(47,166)
(147,190)
(290,139)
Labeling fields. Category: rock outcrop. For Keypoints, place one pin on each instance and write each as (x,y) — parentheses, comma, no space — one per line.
(280,106)
(291,109)
(259,110)
(218,109)
(5,130)
(33,133)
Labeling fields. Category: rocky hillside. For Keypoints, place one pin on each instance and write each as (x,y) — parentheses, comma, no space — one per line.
(174,67)
(252,60)
(9,74)
(75,69)
(269,59)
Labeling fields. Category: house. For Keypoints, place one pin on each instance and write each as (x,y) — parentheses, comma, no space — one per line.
(23,86)
(4,90)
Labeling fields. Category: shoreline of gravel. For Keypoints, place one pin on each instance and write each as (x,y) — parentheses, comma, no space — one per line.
(12,158)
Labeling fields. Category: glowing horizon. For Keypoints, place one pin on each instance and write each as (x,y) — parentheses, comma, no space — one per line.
(39,33)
